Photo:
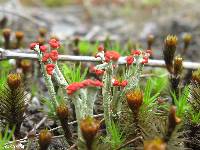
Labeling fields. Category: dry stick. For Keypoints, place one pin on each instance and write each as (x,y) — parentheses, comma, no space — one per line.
(38,125)
(6,54)
(72,147)
(58,136)
(129,142)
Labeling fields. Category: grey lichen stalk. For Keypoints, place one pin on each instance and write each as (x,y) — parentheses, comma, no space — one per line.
(83,99)
(107,95)
(133,77)
(48,82)
(57,75)
(111,94)
(84,105)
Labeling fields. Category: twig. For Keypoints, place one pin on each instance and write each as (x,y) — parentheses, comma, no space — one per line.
(6,54)
(35,128)
(54,137)
(58,136)
(72,147)
(129,142)
(38,125)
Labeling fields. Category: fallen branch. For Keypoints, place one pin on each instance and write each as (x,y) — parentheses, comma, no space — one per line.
(7,54)
(38,125)
(72,147)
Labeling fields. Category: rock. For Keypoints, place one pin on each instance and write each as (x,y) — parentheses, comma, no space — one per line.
(35,105)
(36,102)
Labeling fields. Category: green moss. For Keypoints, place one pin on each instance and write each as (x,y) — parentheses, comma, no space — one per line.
(56,3)
(87,48)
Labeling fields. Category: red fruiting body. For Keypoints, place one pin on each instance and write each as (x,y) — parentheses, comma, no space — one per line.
(124,83)
(111,55)
(101,48)
(89,82)
(99,72)
(136,52)
(86,82)
(96,71)
(116,83)
(78,85)
(43,48)
(50,68)
(45,57)
(54,43)
(96,83)
(54,55)
(72,88)
(145,60)
(129,60)
(32,46)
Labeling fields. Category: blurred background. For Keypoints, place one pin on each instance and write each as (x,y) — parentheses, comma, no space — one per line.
(119,20)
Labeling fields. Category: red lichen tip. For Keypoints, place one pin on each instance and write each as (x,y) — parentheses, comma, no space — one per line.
(96,83)
(72,88)
(129,60)
(54,43)
(115,82)
(111,55)
(45,57)
(96,71)
(86,83)
(32,46)
(145,60)
(54,55)
(43,48)
(136,52)
(124,83)
(50,68)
